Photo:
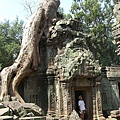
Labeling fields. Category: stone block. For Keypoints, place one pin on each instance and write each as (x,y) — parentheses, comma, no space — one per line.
(4,111)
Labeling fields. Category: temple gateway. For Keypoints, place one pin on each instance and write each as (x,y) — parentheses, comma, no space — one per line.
(68,69)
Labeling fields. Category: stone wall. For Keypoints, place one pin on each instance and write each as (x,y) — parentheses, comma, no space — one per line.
(110,89)
(72,70)
(116,27)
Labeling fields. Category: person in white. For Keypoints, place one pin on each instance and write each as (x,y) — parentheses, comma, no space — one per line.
(82,108)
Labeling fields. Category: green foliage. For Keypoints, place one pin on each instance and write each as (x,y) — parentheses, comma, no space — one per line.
(97,19)
(10,37)
(62,14)
(67,16)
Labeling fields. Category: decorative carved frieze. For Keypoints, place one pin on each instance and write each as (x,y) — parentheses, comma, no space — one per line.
(116,27)
(113,72)
(74,56)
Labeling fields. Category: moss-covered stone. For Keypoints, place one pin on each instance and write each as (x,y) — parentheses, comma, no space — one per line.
(73,53)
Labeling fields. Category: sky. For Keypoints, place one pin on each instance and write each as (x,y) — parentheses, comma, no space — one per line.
(10,9)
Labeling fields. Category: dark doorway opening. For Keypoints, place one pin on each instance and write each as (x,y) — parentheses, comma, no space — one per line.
(84,95)
(119,89)
(77,94)
(21,89)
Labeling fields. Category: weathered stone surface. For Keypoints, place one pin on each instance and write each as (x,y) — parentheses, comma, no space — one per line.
(6,117)
(1,105)
(73,51)
(4,111)
(109,118)
(73,61)
(16,107)
(33,118)
(116,27)
(22,110)
(74,116)
(115,114)
(113,71)
(70,64)
(31,107)
(6,98)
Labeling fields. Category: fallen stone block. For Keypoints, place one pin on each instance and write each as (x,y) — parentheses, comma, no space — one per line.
(4,111)
(6,117)
(32,107)
(33,118)
(23,109)
(16,108)
(74,116)
(115,114)
(1,105)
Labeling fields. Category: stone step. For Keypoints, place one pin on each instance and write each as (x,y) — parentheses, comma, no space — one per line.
(32,118)
(6,117)
(1,106)
(3,111)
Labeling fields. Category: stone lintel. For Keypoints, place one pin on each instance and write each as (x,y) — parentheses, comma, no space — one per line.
(113,72)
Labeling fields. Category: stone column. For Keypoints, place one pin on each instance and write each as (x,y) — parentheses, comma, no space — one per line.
(58,96)
(94,102)
(64,91)
(99,102)
(67,101)
(51,93)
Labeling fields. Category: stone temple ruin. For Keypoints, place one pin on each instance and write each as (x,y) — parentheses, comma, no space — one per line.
(68,69)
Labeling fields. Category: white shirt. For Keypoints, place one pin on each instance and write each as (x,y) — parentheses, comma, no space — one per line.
(81,104)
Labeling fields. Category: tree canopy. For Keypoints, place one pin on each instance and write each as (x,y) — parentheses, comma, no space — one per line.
(97,19)
(10,39)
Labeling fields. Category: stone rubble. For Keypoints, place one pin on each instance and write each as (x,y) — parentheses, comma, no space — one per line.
(15,110)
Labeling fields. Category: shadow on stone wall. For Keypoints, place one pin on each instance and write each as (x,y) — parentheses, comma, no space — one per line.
(110,99)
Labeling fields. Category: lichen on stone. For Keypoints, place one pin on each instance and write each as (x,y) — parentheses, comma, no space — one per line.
(74,56)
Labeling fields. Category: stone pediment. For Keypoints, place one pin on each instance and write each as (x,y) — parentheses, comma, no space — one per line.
(76,60)
(113,72)
(73,55)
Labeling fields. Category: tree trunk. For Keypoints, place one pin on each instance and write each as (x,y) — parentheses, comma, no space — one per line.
(28,59)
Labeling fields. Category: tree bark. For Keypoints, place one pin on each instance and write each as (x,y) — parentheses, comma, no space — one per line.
(28,59)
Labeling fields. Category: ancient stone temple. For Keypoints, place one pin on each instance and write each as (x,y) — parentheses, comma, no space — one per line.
(66,69)
(114,72)
(116,26)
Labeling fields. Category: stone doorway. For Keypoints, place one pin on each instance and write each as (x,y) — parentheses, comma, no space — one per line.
(86,94)
(119,90)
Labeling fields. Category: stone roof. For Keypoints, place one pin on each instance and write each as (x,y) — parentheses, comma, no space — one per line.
(74,56)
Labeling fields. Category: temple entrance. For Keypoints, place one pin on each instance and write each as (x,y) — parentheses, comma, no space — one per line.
(119,90)
(77,94)
(86,94)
